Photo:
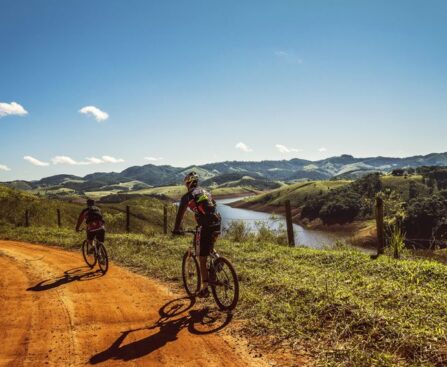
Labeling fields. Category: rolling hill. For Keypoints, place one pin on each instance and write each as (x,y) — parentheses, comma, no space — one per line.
(263,174)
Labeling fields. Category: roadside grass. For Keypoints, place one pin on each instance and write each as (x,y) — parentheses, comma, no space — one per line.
(338,306)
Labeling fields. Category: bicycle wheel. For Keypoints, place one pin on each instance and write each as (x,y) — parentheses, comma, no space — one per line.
(103,259)
(224,284)
(190,274)
(88,252)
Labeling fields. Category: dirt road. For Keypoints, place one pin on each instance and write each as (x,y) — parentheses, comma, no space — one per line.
(57,312)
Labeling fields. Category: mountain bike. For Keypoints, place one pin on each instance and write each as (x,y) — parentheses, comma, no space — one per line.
(222,277)
(95,252)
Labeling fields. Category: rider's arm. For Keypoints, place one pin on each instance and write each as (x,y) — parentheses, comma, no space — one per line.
(81,219)
(183,206)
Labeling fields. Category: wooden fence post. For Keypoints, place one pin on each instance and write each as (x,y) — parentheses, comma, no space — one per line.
(290,235)
(127,218)
(59,224)
(165,219)
(380,226)
(26,218)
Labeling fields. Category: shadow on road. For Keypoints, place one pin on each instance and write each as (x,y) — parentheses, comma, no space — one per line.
(76,274)
(175,315)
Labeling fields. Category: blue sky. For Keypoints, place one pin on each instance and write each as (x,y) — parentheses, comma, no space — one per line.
(185,82)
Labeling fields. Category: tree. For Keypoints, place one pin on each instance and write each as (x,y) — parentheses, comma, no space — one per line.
(398,172)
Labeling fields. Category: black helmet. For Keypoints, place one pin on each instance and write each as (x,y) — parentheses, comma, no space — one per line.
(191,180)
(90,202)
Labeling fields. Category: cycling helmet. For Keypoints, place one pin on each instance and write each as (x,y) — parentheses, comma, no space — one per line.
(90,202)
(191,180)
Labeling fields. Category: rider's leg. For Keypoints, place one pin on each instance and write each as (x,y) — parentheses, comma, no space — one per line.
(100,235)
(90,238)
(203,272)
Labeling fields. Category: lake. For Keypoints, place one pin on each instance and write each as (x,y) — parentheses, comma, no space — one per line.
(303,236)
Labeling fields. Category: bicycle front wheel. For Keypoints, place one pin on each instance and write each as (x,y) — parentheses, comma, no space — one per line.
(190,274)
(88,252)
(103,259)
(224,284)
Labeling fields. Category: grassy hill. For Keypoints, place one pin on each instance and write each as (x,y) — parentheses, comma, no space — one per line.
(300,192)
(297,193)
(146,212)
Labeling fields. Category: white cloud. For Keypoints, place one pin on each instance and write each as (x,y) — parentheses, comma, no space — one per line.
(288,56)
(281,53)
(4,168)
(94,160)
(243,147)
(153,159)
(35,161)
(109,159)
(13,108)
(322,150)
(283,149)
(95,112)
(63,159)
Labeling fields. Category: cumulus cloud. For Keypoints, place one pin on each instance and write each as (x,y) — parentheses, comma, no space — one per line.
(13,108)
(4,168)
(322,150)
(283,149)
(153,159)
(94,112)
(35,161)
(243,147)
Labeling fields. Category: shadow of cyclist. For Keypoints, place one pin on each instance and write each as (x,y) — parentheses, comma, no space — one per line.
(174,316)
(76,274)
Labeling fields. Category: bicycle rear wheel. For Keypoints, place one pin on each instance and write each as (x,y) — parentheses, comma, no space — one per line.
(103,259)
(224,284)
(88,252)
(190,274)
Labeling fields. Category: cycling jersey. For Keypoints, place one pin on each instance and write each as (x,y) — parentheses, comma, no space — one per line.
(93,219)
(201,204)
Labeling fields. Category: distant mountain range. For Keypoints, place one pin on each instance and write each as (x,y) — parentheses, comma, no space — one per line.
(140,177)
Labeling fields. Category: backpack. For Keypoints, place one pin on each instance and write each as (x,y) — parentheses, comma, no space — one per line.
(93,215)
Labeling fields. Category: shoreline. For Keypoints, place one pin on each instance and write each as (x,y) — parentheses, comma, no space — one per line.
(361,233)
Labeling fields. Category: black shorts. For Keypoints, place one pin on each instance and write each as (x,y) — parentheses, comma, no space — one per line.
(99,234)
(205,239)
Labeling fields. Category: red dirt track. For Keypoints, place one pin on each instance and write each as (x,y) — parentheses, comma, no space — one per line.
(55,311)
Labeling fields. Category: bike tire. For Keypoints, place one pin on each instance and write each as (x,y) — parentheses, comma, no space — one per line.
(191,280)
(90,259)
(225,278)
(102,257)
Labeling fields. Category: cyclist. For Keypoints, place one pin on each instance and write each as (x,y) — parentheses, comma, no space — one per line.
(208,221)
(95,223)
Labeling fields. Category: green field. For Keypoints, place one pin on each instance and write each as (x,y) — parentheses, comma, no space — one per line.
(338,307)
